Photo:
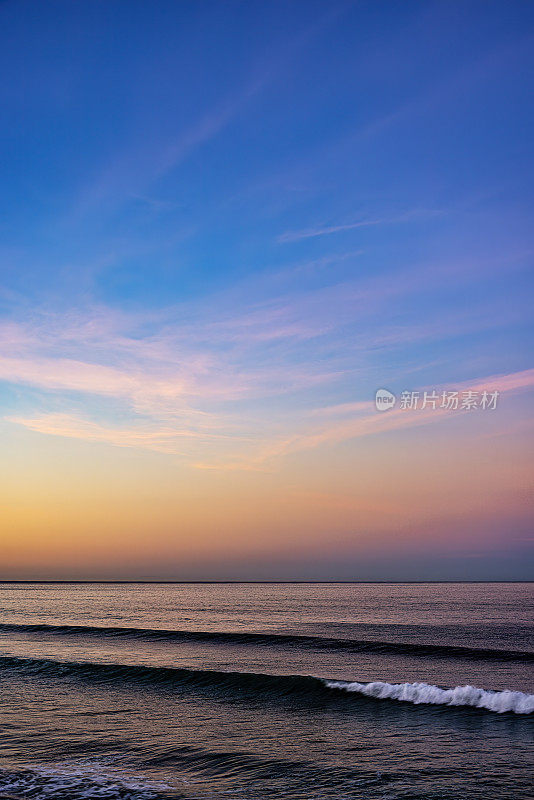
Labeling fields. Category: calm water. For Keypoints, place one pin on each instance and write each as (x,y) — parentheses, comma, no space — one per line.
(251,691)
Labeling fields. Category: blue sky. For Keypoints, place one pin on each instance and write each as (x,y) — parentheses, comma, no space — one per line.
(221,222)
(206,137)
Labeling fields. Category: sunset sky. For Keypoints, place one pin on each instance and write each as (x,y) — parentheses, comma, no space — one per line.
(223,227)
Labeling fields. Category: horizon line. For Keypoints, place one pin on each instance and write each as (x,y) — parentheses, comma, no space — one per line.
(296,581)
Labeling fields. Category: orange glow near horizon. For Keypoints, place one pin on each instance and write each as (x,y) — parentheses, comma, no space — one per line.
(90,510)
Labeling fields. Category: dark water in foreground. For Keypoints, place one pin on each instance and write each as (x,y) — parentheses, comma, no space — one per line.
(252,691)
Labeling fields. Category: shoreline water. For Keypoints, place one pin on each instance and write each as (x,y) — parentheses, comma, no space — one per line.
(270,691)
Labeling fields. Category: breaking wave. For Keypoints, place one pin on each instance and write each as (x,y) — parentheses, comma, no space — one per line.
(274,686)
(500,702)
(279,640)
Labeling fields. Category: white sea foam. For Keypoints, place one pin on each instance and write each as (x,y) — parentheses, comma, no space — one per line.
(81,778)
(518,702)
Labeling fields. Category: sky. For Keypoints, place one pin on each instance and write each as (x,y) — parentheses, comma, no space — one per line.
(223,227)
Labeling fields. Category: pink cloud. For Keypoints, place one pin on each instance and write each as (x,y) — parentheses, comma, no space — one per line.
(368,421)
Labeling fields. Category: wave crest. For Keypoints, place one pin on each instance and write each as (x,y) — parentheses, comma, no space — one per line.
(273,686)
(500,702)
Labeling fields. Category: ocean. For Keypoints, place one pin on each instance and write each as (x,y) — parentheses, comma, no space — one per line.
(248,691)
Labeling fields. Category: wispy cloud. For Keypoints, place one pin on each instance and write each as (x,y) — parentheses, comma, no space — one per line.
(247,365)
(141,162)
(364,420)
(168,440)
(310,233)
(327,230)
